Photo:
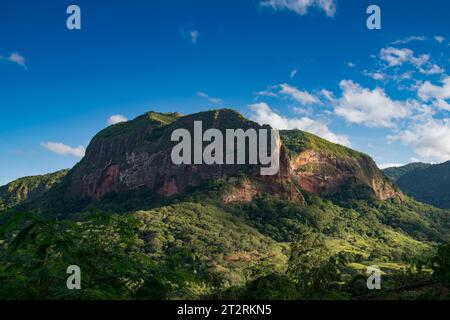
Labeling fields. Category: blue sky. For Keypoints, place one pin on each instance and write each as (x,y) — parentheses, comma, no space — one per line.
(304,64)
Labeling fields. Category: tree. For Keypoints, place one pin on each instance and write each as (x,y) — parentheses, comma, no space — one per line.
(441,264)
(107,249)
(311,267)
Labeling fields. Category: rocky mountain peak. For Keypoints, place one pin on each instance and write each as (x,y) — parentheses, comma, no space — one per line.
(136,154)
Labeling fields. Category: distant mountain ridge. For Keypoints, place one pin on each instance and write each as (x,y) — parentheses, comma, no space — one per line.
(395,173)
(424,182)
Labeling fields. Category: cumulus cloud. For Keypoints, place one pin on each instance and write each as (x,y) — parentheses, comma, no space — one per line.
(430,139)
(263,114)
(372,108)
(394,56)
(210,99)
(438,95)
(63,149)
(302,7)
(397,57)
(116,118)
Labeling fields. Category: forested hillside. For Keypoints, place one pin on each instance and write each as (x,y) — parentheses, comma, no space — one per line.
(426,183)
(309,232)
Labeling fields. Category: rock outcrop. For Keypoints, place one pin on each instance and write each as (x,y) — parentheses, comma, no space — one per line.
(324,168)
(137,154)
(323,174)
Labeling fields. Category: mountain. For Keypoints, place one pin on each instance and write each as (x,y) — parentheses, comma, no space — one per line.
(136,154)
(28,188)
(144,228)
(426,183)
(395,173)
(325,168)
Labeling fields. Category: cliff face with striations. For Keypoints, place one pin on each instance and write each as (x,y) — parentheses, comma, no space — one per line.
(323,174)
(136,154)
(321,167)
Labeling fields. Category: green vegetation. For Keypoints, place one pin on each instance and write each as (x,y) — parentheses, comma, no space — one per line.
(106,248)
(297,141)
(28,188)
(196,247)
(149,120)
(137,244)
(426,183)
(396,173)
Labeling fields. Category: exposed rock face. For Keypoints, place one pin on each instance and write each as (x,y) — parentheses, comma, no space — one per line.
(324,174)
(137,154)
(324,168)
(248,189)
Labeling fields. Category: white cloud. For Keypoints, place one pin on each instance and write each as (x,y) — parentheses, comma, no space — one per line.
(372,108)
(396,57)
(63,149)
(191,35)
(327,94)
(266,93)
(436,94)
(432,69)
(442,104)
(210,99)
(429,91)
(117,118)
(351,64)
(302,7)
(375,75)
(293,73)
(403,76)
(420,60)
(378,76)
(194,34)
(302,97)
(410,39)
(430,140)
(263,114)
(18,59)
(439,39)
(383,166)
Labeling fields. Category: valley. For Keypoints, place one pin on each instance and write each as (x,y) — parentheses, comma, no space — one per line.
(141,227)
